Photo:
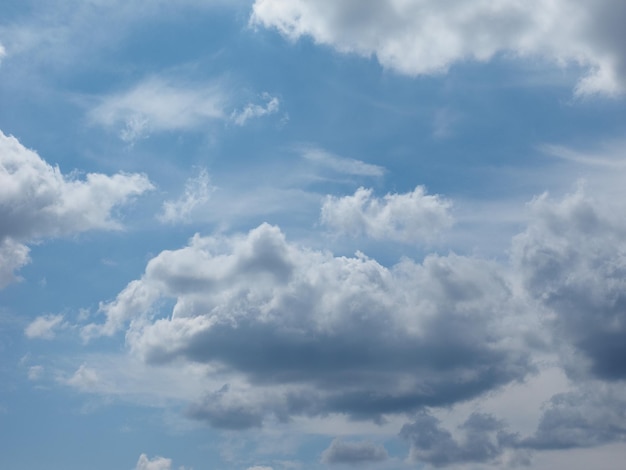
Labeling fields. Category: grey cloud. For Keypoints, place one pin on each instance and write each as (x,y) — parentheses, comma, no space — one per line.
(427,37)
(595,414)
(356,453)
(485,440)
(572,259)
(325,334)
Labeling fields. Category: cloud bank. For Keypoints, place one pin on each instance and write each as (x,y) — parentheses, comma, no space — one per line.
(417,37)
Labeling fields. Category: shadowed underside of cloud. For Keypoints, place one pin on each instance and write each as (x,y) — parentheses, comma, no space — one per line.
(308,333)
(425,37)
(572,259)
(37,201)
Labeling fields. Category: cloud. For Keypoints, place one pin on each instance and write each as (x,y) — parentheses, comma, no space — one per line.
(342,165)
(3,52)
(197,192)
(407,218)
(572,260)
(157,463)
(44,326)
(37,201)
(427,37)
(353,452)
(485,440)
(35,372)
(256,110)
(302,332)
(592,415)
(157,105)
(259,467)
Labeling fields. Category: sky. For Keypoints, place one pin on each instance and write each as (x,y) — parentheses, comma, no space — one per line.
(312,234)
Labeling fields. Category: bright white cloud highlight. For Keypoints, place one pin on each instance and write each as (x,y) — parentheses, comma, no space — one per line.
(408,217)
(157,463)
(44,327)
(428,36)
(197,193)
(38,201)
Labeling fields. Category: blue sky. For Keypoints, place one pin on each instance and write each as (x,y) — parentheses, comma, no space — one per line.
(298,234)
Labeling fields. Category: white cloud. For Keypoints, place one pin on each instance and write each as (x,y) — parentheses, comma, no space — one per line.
(38,201)
(157,463)
(3,52)
(159,105)
(256,110)
(260,467)
(343,165)
(428,36)
(44,327)
(408,217)
(197,193)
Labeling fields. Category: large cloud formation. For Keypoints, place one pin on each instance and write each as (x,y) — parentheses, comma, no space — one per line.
(290,331)
(302,332)
(428,36)
(37,201)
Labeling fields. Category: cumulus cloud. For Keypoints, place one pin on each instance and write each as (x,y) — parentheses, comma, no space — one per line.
(251,110)
(197,192)
(424,37)
(572,260)
(356,453)
(44,326)
(157,463)
(302,332)
(156,105)
(408,217)
(38,201)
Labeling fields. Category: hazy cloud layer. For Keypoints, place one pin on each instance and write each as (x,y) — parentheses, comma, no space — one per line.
(409,217)
(38,201)
(425,37)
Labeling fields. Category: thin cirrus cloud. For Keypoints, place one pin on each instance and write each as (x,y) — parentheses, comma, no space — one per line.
(158,104)
(343,165)
(406,217)
(427,37)
(37,201)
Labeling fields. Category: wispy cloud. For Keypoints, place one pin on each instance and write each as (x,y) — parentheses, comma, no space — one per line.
(197,193)
(251,110)
(339,164)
